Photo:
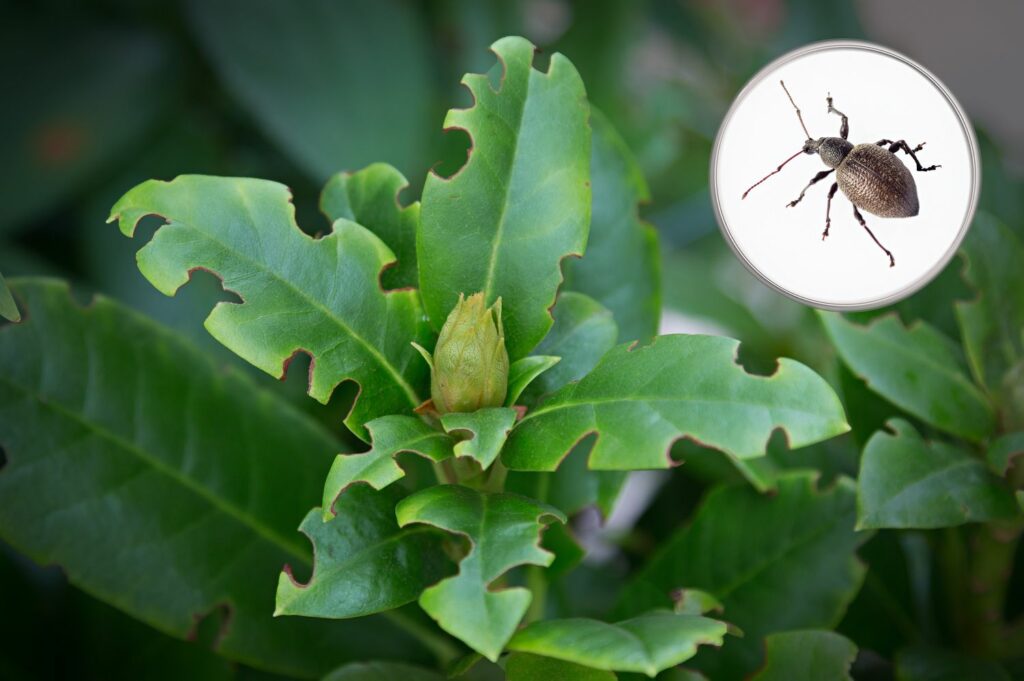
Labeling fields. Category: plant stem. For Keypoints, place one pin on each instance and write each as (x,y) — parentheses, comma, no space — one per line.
(444,650)
(496,478)
(537,582)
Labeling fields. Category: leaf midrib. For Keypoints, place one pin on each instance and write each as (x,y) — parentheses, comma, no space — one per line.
(919,481)
(493,261)
(639,398)
(159,466)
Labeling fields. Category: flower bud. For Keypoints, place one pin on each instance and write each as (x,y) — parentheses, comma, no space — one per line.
(469,369)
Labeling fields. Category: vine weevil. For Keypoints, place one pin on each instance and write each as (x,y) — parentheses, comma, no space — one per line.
(869,174)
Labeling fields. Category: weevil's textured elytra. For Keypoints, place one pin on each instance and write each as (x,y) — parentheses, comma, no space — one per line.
(870,175)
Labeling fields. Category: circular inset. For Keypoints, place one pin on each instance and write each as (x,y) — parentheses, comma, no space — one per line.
(771,179)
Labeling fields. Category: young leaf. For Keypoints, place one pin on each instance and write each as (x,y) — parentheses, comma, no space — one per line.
(915,368)
(622,266)
(522,201)
(526,667)
(992,325)
(807,656)
(639,400)
(504,531)
(8,308)
(303,71)
(382,671)
(487,430)
(796,569)
(926,664)
(522,373)
(908,482)
(646,644)
(370,198)
(583,332)
(318,296)
(390,436)
(363,562)
(123,468)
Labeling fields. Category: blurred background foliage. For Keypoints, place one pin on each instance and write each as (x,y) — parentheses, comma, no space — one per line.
(102,94)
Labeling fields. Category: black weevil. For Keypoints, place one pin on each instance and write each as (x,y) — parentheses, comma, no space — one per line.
(869,174)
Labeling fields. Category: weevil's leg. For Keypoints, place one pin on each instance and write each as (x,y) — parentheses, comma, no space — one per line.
(828,209)
(844,127)
(902,144)
(817,178)
(860,219)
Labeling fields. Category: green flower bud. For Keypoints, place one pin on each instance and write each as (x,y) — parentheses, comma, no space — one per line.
(469,369)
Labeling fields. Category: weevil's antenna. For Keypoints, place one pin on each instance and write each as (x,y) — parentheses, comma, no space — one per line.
(781,165)
(798,115)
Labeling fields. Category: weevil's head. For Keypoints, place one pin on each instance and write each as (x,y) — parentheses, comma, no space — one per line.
(832,150)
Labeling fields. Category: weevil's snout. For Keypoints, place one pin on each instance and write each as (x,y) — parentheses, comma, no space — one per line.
(812,146)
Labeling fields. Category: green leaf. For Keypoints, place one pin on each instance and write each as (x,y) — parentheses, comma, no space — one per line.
(390,436)
(639,400)
(526,667)
(807,656)
(8,308)
(583,332)
(794,567)
(646,644)
(621,268)
(318,296)
(485,431)
(522,373)
(695,602)
(382,671)
(363,562)
(299,70)
(370,198)
(924,664)
(1003,451)
(915,368)
(504,531)
(992,325)
(124,469)
(908,482)
(521,203)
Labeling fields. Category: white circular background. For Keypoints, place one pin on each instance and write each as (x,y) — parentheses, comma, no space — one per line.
(885,96)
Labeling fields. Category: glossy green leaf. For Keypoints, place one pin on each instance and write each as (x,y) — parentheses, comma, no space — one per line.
(641,399)
(483,432)
(521,203)
(92,92)
(8,308)
(363,562)
(807,656)
(526,667)
(926,664)
(584,330)
(370,198)
(318,296)
(907,482)
(123,469)
(1004,451)
(299,71)
(992,325)
(390,436)
(776,562)
(523,372)
(382,671)
(503,531)
(621,268)
(915,368)
(646,644)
